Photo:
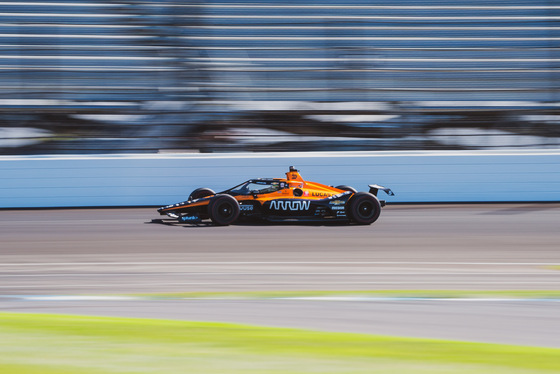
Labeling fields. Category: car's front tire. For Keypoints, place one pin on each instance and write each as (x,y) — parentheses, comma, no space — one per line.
(223,210)
(199,193)
(363,208)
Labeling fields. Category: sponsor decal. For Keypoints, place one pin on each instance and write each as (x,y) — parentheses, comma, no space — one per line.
(320,211)
(306,193)
(337,207)
(336,202)
(296,205)
(189,219)
(320,194)
(246,207)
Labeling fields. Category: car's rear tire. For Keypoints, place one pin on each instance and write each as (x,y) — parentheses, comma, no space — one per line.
(363,208)
(199,193)
(346,188)
(223,210)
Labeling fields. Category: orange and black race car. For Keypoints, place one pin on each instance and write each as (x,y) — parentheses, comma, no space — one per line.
(280,199)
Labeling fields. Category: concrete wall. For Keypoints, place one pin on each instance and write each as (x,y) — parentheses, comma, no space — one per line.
(134,180)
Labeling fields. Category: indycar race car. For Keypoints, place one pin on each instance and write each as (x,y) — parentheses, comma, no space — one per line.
(280,199)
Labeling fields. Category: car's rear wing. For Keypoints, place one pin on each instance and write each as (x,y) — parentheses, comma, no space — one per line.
(374,188)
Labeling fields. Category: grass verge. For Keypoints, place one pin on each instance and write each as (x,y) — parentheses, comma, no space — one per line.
(48,344)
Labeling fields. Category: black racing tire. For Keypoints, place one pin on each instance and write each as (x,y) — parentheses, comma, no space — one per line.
(363,208)
(199,193)
(346,188)
(223,210)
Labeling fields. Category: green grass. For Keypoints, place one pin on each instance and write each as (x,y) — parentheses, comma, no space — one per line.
(555,294)
(48,344)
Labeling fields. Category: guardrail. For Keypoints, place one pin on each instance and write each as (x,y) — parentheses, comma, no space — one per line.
(145,180)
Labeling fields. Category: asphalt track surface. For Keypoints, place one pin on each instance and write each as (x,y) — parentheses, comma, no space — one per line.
(455,247)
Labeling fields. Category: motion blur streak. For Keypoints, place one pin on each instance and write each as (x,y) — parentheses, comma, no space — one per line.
(209,76)
(48,254)
(108,251)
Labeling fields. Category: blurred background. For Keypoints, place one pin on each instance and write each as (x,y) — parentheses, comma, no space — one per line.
(228,76)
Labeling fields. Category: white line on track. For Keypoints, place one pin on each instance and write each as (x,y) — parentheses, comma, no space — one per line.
(191,273)
(78,298)
(278,263)
(404,298)
(296,298)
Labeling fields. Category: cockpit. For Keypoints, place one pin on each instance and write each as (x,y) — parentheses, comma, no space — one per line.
(258,186)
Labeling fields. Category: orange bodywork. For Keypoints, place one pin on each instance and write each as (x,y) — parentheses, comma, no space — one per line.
(293,182)
(279,198)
